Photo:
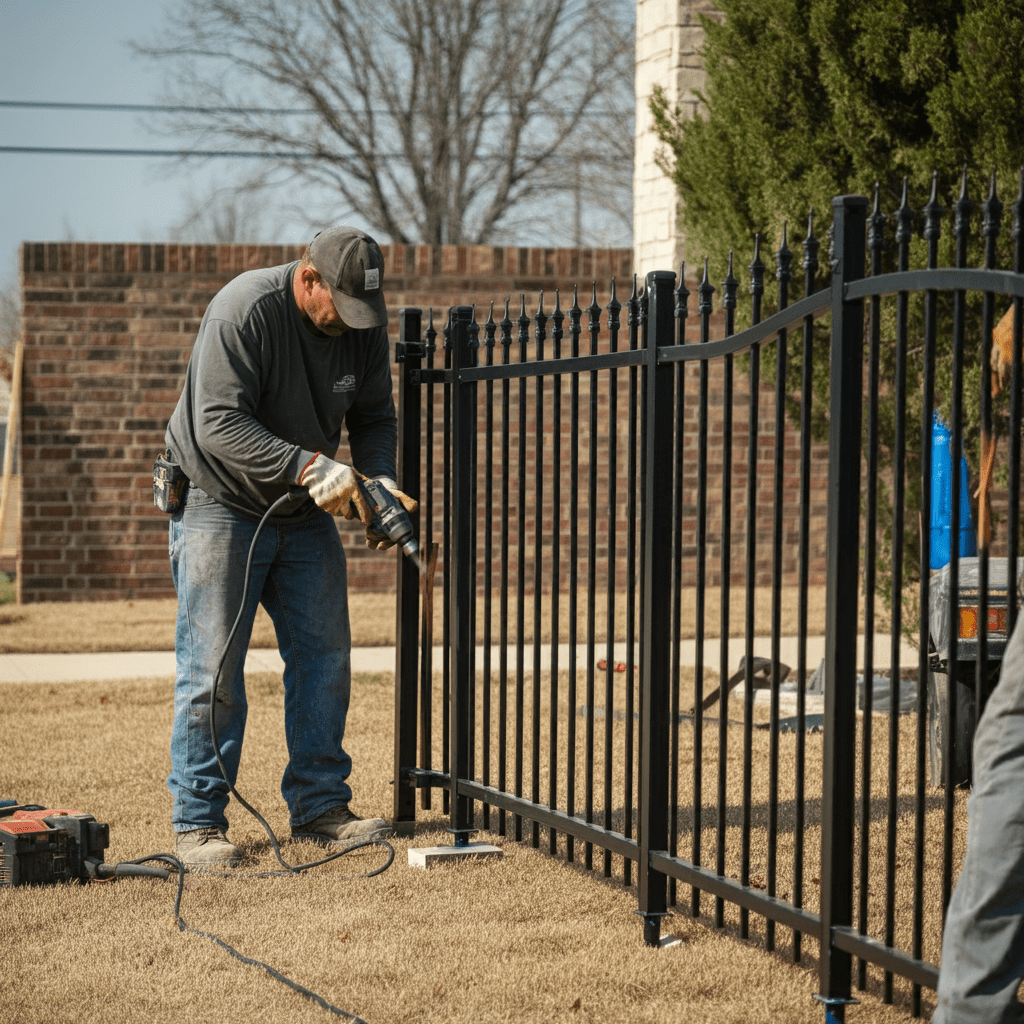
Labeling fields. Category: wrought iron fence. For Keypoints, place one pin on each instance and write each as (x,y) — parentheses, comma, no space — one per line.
(593,494)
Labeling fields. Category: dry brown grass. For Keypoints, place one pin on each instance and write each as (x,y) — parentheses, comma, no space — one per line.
(148,625)
(529,938)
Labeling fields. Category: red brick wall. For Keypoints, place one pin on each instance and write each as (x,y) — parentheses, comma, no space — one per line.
(108,331)
(558,521)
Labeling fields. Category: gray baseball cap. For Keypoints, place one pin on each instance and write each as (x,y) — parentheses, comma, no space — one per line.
(352,266)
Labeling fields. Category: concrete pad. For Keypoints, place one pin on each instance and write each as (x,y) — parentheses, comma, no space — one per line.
(431,856)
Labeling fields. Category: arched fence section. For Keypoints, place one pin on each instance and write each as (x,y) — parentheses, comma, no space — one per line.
(676,627)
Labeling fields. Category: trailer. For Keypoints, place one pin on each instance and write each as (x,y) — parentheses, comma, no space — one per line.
(976,671)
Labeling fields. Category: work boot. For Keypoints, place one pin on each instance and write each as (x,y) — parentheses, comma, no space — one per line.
(206,848)
(340,825)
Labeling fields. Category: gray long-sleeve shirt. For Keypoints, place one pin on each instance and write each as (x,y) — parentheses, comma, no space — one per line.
(263,395)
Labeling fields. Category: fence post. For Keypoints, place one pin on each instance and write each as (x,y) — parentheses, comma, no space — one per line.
(463,572)
(656,607)
(849,221)
(408,352)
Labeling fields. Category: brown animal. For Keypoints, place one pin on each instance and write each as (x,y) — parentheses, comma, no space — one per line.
(1002,365)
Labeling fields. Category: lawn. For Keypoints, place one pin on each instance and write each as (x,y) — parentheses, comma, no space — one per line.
(527,938)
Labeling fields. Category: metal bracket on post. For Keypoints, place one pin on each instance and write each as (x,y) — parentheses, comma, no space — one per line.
(423,778)
(430,376)
(461,841)
(835,1007)
(652,928)
(409,348)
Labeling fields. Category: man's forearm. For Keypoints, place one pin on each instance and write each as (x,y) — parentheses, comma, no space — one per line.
(374,448)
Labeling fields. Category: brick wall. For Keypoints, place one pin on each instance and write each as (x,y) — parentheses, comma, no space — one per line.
(108,331)
(596,449)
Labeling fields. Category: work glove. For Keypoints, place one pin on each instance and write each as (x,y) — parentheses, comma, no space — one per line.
(376,540)
(335,488)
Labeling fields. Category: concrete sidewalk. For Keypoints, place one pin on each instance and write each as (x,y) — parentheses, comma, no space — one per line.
(64,668)
(68,668)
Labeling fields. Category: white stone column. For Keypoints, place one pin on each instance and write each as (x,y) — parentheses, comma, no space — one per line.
(668,41)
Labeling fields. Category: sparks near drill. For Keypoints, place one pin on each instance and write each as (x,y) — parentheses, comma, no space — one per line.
(391,519)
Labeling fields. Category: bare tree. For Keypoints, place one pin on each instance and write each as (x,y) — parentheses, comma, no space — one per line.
(433,120)
(239,212)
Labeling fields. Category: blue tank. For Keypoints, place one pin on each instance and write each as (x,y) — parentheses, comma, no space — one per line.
(942,500)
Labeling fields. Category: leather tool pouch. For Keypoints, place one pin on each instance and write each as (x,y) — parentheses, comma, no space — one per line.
(169,483)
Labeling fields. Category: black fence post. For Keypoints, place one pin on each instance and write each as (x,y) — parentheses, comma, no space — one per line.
(657,604)
(463,571)
(408,353)
(849,223)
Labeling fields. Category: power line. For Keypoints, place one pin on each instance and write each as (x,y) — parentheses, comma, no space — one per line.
(576,158)
(153,108)
(83,151)
(157,108)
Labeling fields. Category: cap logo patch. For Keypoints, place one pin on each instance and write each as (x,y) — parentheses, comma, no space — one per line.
(372,279)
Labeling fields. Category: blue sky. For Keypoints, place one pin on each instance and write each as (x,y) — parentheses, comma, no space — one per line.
(77,51)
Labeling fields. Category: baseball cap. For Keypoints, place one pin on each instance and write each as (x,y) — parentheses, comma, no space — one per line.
(352,266)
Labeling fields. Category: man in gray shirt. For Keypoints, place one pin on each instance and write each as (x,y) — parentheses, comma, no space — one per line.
(282,357)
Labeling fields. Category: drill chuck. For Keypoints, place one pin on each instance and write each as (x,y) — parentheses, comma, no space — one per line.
(391,519)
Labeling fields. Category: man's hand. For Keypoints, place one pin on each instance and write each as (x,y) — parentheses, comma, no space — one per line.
(335,488)
(376,540)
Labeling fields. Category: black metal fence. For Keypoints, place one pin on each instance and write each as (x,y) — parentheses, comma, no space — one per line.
(581,483)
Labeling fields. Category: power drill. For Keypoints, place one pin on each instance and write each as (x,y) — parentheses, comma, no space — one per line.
(391,519)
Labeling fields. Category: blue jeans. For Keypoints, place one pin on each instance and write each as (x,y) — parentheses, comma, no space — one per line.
(983,943)
(298,575)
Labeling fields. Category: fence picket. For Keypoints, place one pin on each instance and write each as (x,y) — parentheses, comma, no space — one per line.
(675,485)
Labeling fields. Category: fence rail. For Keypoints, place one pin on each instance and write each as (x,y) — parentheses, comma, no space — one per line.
(583,486)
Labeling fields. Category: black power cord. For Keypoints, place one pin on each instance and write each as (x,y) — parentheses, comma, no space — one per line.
(290,496)
(289,869)
(183,926)
(139,868)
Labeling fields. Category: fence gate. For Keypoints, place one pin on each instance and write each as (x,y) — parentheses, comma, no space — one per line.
(626,523)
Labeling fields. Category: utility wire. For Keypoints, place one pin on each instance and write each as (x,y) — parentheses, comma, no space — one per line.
(576,158)
(157,108)
(153,108)
(249,154)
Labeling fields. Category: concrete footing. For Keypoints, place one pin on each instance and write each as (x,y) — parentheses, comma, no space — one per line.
(431,856)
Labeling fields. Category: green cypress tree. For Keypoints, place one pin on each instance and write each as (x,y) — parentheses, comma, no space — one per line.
(809,99)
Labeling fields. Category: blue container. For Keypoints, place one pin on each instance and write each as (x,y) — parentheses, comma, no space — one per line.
(942,500)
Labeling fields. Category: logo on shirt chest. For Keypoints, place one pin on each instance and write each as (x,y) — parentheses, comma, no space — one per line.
(347,383)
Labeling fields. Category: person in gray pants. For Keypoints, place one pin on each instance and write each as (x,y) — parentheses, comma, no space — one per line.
(983,943)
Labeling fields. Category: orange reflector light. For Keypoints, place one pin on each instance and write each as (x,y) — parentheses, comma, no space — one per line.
(969,622)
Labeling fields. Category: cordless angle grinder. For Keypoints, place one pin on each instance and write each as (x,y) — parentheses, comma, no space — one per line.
(391,519)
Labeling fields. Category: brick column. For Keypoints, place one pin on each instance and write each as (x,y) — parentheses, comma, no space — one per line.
(668,41)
